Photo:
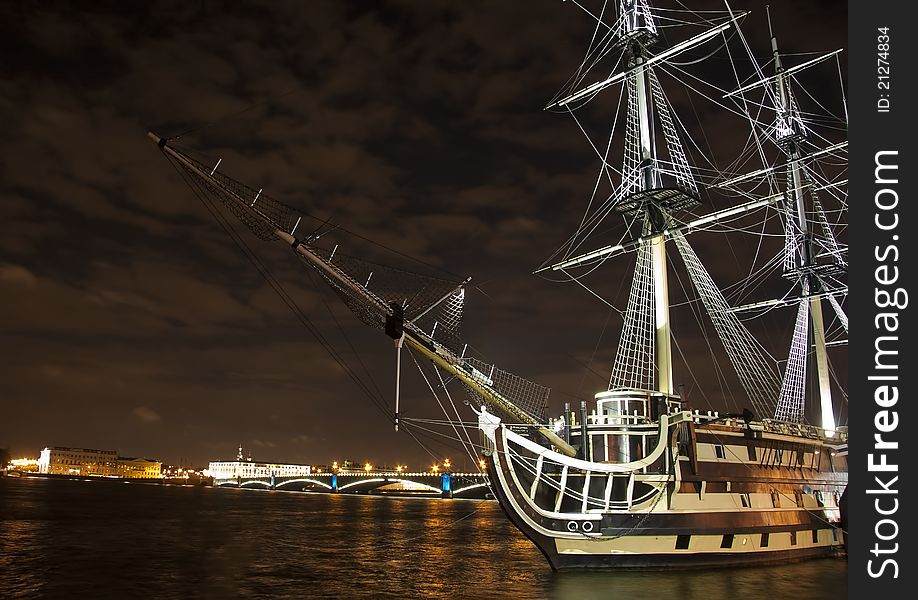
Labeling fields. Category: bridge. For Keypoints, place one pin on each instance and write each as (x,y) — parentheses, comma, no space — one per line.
(444,485)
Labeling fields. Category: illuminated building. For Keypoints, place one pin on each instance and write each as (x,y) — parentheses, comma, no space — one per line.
(139,468)
(78,461)
(246,468)
(59,460)
(24,465)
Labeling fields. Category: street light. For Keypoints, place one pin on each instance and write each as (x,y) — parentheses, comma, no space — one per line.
(435,468)
(398,468)
(447,464)
(368,467)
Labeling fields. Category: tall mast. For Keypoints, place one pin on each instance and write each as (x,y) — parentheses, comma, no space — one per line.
(653,192)
(788,136)
(638,31)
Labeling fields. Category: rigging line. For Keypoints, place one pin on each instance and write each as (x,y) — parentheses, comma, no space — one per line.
(704,134)
(200,193)
(598,20)
(604,169)
(425,433)
(709,55)
(577,76)
(573,84)
(697,309)
(322,294)
(841,81)
(463,424)
(829,113)
(705,96)
(601,299)
(208,124)
(435,395)
(589,365)
(458,418)
(593,38)
(772,181)
(691,372)
(343,229)
(433,434)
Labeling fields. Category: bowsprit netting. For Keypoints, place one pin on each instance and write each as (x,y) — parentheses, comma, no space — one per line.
(527,395)
(262,213)
(421,296)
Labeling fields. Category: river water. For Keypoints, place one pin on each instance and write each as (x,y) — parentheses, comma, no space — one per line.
(104,539)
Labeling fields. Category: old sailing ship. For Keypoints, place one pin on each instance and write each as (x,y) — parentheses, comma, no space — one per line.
(639,478)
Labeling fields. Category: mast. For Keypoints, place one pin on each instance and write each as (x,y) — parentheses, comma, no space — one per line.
(638,31)
(789,133)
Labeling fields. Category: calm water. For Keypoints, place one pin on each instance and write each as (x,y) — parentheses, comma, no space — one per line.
(74,539)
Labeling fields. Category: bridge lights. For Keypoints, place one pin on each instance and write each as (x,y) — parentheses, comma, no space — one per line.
(447,464)
(335,466)
(367,467)
(399,468)
(435,469)
(481,464)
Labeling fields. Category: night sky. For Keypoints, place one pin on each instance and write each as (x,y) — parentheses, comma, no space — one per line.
(130,321)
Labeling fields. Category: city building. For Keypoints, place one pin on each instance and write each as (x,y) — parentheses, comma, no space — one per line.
(139,468)
(246,468)
(23,465)
(59,460)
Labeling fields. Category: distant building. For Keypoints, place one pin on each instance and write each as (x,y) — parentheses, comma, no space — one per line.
(58,460)
(23,465)
(246,468)
(139,468)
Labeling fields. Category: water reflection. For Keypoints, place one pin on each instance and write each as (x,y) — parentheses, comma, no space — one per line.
(66,539)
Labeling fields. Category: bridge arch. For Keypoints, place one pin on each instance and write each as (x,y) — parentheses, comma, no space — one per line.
(255,482)
(384,481)
(303,480)
(467,488)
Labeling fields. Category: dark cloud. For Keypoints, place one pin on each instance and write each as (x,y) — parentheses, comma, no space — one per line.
(131,321)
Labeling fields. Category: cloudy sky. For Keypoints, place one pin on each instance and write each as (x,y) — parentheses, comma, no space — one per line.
(130,321)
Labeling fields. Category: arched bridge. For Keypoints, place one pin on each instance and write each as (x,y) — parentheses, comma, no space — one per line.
(445,485)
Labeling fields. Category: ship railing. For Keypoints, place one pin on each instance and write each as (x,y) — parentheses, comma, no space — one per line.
(558,487)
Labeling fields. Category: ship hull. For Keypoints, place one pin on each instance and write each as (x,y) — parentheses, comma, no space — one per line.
(679,528)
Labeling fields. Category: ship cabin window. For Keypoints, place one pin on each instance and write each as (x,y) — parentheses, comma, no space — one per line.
(793,538)
(682,542)
(744,498)
(834,535)
(719,451)
(764,543)
(727,542)
(752,453)
(815,536)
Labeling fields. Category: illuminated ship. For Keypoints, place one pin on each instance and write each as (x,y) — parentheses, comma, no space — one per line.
(637,477)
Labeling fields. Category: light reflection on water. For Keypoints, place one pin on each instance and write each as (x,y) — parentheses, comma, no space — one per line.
(100,539)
